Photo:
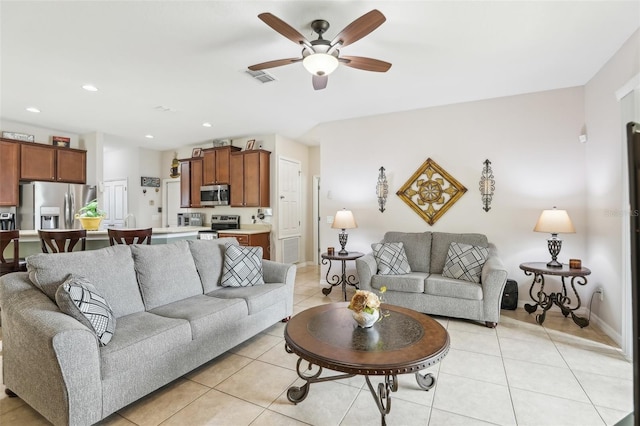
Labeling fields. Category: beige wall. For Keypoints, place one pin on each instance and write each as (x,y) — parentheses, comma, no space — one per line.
(607,201)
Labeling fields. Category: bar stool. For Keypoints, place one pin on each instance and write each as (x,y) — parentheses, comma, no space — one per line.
(129,236)
(14,264)
(61,241)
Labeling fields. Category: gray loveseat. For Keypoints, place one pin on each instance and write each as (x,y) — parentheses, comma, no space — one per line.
(426,290)
(171,317)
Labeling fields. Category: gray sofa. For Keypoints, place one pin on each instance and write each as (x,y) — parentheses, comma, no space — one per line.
(426,290)
(171,314)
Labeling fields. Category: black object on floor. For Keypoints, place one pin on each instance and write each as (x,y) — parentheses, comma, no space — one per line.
(510,296)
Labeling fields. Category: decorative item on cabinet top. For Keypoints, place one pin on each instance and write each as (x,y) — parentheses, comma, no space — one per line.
(487,185)
(61,141)
(197,152)
(174,171)
(23,137)
(431,191)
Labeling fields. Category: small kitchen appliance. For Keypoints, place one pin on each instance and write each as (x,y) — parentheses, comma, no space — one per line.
(220,223)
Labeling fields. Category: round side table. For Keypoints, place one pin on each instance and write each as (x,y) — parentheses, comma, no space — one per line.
(342,279)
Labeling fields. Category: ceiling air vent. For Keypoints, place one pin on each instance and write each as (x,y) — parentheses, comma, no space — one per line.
(261,76)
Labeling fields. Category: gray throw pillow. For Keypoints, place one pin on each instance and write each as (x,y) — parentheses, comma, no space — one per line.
(391,258)
(465,262)
(242,266)
(78,298)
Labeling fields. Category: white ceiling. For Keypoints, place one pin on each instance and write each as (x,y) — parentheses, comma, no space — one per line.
(190,56)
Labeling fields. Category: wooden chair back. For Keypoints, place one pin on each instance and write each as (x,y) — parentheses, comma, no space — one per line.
(129,236)
(9,265)
(61,241)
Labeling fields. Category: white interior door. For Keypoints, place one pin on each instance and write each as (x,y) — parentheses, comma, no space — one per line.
(289,177)
(171,203)
(115,202)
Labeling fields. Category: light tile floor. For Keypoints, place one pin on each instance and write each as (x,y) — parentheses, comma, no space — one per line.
(518,373)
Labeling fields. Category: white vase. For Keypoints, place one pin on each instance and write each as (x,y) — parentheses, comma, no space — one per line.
(365,319)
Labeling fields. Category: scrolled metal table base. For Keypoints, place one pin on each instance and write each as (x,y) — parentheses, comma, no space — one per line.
(381,394)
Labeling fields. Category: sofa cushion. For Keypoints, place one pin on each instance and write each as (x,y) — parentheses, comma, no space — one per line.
(442,241)
(417,246)
(242,266)
(141,337)
(78,298)
(412,282)
(208,256)
(256,297)
(390,258)
(109,269)
(465,262)
(206,315)
(166,273)
(437,285)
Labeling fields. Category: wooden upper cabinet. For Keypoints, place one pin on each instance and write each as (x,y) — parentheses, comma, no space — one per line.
(216,168)
(9,173)
(37,162)
(250,179)
(71,166)
(190,182)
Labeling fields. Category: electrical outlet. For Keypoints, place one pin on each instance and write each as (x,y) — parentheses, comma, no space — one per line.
(600,291)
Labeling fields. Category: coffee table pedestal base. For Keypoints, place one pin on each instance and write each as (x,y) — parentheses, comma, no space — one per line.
(381,395)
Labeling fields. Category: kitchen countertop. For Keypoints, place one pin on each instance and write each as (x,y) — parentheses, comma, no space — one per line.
(174,231)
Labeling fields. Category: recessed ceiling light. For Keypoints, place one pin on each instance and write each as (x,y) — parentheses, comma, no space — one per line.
(148,136)
(90,88)
(206,124)
(33,109)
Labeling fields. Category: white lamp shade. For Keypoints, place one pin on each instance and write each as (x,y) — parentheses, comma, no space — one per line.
(320,63)
(344,220)
(554,222)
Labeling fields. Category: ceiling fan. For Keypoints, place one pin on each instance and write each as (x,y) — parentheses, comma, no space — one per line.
(321,57)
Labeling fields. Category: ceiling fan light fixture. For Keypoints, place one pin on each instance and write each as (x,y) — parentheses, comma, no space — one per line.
(320,63)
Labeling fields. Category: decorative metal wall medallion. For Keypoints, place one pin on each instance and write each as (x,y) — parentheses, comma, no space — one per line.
(431,191)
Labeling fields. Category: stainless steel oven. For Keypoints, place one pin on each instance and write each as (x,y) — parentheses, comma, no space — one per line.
(220,223)
(214,195)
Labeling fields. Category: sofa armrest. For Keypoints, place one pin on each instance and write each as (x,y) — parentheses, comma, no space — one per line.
(50,359)
(493,279)
(276,272)
(366,267)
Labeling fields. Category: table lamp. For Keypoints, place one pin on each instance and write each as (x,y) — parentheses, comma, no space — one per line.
(554,222)
(343,220)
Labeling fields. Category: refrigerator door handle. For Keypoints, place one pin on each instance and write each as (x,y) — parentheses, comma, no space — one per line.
(72,208)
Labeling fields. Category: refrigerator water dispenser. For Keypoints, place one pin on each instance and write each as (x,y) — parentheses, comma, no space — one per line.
(49,217)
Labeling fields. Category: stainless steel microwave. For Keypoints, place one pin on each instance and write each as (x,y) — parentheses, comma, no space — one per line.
(214,195)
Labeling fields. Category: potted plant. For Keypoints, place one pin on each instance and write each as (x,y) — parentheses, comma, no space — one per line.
(90,216)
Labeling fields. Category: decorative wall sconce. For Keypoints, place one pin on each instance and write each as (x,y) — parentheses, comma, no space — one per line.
(382,189)
(487,185)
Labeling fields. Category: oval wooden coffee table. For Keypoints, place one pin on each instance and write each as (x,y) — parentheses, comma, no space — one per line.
(327,336)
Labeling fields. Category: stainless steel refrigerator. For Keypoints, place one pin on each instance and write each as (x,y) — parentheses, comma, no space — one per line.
(52,205)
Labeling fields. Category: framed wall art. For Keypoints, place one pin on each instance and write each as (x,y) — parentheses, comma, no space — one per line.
(60,141)
(431,191)
(197,152)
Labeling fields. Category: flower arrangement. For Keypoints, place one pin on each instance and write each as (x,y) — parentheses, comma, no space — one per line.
(364,301)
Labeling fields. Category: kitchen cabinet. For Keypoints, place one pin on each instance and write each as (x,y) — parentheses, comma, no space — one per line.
(39,162)
(249,179)
(9,173)
(215,165)
(190,182)
(260,239)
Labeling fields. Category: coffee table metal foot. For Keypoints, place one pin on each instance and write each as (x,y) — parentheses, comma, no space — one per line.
(297,394)
(426,381)
(383,395)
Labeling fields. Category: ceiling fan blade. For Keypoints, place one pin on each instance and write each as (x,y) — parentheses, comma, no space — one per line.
(359,28)
(273,64)
(367,64)
(283,28)
(319,81)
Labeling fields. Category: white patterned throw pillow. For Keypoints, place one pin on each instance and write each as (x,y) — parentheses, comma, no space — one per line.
(242,266)
(465,262)
(391,258)
(78,298)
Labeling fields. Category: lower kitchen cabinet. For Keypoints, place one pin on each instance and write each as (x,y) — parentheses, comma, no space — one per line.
(253,240)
